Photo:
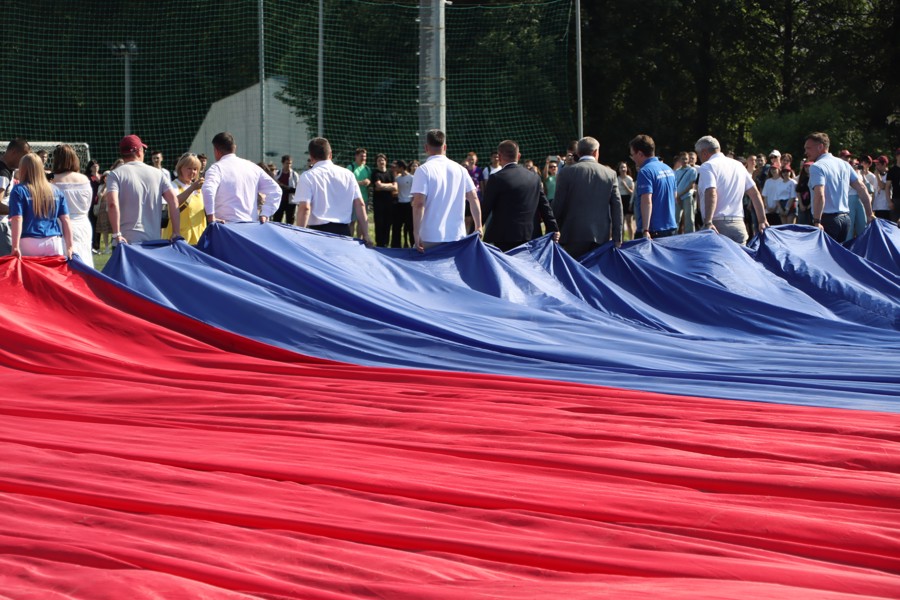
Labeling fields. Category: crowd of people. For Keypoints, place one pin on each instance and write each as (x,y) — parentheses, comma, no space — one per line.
(785,193)
(583,203)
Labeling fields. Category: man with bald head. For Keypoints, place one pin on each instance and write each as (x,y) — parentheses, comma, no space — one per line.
(587,205)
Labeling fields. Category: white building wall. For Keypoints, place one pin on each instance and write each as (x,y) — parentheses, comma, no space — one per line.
(239,114)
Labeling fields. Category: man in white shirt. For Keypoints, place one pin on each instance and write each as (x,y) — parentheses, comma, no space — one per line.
(156,159)
(231,187)
(721,188)
(327,195)
(490,169)
(440,191)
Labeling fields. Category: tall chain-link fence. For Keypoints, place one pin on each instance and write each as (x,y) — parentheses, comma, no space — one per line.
(177,72)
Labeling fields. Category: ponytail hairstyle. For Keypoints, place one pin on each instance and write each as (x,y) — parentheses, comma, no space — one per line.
(31,173)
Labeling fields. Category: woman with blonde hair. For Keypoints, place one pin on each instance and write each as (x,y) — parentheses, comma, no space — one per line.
(190,202)
(76,187)
(38,213)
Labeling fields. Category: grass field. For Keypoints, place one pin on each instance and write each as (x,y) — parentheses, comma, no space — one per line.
(100,261)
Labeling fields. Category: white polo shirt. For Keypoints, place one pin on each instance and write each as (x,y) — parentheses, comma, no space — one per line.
(880,197)
(731,180)
(444,184)
(770,191)
(230,187)
(330,191)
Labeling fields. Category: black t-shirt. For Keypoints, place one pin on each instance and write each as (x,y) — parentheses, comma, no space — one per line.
(803,193)
(5,176)
(893,175)
(5,179)
(383,177)
(5,186)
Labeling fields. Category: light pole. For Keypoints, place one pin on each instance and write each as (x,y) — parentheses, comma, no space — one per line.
(125,50)
(580,92)
(432,68)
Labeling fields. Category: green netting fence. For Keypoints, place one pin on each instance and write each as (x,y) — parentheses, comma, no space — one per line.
(193,69)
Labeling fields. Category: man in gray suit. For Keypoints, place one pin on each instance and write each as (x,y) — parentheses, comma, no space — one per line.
(587,205)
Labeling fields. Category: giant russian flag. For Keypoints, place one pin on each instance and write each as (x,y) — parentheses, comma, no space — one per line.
(284,414)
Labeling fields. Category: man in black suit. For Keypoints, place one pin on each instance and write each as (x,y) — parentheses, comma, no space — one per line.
(587,203)
(512,197)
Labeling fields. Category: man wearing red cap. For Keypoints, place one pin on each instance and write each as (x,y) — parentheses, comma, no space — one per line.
(133,192)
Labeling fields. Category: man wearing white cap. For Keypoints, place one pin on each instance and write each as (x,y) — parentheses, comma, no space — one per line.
(774,162)
(133,192)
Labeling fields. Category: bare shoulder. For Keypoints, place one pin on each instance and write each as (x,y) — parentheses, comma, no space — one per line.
(71,177)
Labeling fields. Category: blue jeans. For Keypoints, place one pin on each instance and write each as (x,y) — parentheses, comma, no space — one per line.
(857,217)
(686,206)
(836,225)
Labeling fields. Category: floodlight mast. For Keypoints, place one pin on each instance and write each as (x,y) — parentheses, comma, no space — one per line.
(579,92)
(262,80)
(125,50)
(320,126)
(432,70)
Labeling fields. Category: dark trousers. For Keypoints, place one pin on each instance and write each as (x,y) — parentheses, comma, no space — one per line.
(837,225)
(883,214)
(507,246)
(95,237)
(384,219)
(578,249)
(285,209)
(662,233)
(338,228)
(402,230)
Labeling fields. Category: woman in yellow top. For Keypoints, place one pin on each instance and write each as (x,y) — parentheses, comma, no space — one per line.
(190,202)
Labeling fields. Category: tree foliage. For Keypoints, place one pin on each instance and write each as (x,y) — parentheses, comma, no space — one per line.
(754,74)
(505,74)
(62,80)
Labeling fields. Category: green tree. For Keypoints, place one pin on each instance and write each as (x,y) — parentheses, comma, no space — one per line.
(505,66)
(680,69)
